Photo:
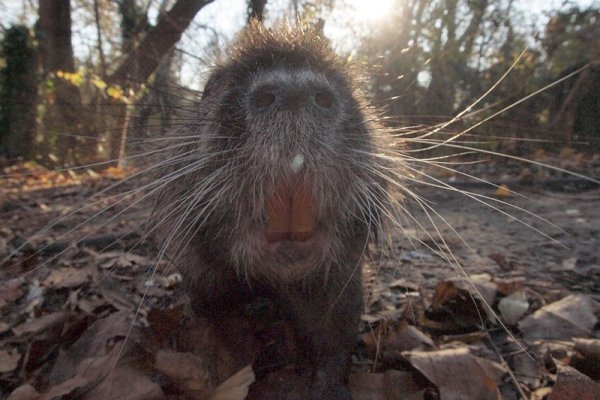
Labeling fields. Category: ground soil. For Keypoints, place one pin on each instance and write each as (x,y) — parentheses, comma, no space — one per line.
(547,236)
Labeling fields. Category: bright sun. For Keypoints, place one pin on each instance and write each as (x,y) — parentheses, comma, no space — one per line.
(372,10)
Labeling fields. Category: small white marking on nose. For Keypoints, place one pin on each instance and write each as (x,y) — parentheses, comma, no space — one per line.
(297,163)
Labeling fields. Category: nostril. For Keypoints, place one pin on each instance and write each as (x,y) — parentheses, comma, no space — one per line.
(324,99)
(263,99)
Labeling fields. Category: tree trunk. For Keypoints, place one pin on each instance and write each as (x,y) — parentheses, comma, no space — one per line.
(62,117)
(18,94)
(256,10)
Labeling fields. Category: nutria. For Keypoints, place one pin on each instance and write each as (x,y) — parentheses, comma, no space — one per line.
(278,191)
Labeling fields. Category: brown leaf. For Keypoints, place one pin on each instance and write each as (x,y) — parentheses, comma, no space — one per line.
(528,369)
(507,286)
(4,327)
(453,308)
(236,386)
(187,370)
(486,289)
(458,374)
(588,347)
(99,378)
(407,337)
(444,292)
(126,383)
(570,317)
(42,324)
(373,337)
(9,360)
(94,342)
(68,389)
(120,259)
(24,392)
(587,359)
(571,384)
(503,191)
(67,278)
(11,290)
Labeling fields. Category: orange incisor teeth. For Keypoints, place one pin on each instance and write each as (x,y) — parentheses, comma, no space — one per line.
(291,214)
(302,224)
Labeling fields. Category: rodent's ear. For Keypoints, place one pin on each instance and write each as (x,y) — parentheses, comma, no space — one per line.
(215,80)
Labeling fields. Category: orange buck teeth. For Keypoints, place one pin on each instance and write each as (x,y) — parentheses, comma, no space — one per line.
(291,214)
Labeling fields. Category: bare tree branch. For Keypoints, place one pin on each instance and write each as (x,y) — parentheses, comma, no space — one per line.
(140,64)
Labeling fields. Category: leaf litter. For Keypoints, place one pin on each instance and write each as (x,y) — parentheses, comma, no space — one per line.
(68,329)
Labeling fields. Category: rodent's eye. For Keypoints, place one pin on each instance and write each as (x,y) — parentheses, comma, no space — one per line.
(263,99)
(324,99)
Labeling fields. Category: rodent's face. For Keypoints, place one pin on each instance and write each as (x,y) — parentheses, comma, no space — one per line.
(293,184)
(293,123)
(298,137)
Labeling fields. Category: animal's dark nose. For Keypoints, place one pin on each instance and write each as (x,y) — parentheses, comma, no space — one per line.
(290,98)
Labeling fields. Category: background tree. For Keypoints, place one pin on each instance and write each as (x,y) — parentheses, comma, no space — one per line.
(130,72)
(572,41)
(18,94)
(61,115)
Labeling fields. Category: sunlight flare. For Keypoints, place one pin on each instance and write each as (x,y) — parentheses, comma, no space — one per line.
(371,11)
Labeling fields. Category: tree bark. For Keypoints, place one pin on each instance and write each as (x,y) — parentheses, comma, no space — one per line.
(99,37)
(138,67)
(256,10)
(54,26)
(62,119)
(18,94)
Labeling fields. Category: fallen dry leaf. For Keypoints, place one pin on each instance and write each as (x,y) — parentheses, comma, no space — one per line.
(570,317)
(506,286)
(24,392)
(100,378)
(482,286)
(126,383)
(67,278)
(588,358)
(9,360)
(572,384)
(503,191)
(513,307)
(94,342)
(236,386)
(529,369)
(458,374)
(120,259)
(42,324)
(588,347)
(454,308)
(11,290)
(406,337)
(486,287)
(569,264)
(4,327)
(541,393)
(187,370)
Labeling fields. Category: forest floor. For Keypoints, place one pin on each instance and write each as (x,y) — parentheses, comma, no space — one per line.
(67,298)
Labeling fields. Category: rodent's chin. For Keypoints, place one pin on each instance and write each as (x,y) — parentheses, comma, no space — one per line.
(282,261)
(287,246)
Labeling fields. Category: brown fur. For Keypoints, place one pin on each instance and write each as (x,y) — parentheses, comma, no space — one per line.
(258,112)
